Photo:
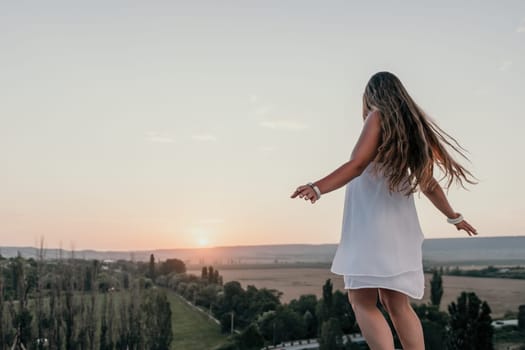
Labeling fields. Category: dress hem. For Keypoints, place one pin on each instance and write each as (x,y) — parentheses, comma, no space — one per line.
(369,275)
(395,289)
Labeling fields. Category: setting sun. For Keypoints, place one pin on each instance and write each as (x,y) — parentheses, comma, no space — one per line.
(203,241)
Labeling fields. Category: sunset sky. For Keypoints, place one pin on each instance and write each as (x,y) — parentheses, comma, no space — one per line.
(149,124)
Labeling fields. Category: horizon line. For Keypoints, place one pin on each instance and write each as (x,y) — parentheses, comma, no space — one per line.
(223,246)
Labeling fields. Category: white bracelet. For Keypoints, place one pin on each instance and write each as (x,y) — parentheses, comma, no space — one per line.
(316,189)
(455,220)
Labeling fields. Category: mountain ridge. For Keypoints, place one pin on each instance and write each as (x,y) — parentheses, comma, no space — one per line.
(444,250)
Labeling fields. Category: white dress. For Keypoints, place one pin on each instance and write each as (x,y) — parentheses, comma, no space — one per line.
(381,238)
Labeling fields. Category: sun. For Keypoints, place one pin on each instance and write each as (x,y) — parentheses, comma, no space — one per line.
(203,241)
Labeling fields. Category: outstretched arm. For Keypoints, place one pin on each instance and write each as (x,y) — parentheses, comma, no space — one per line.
(363,153)
(438,198)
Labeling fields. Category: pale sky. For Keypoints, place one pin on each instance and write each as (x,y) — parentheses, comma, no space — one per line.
(148,124)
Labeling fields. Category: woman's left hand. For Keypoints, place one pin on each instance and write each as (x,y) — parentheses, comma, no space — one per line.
(464,225)
(305,192)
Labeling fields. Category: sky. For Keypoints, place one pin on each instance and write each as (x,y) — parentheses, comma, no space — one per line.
(177,124)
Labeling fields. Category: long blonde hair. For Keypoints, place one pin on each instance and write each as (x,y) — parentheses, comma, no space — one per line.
(411,143)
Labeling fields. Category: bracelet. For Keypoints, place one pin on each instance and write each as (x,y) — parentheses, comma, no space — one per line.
(316,189)
(455,221)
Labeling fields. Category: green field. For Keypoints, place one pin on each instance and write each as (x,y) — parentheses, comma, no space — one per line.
(192,330)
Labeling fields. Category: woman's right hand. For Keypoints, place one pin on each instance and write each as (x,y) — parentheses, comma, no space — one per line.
(306,192)
(464,225)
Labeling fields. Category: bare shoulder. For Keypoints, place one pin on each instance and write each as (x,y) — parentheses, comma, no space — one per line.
(373,121)
(373,118)
(366,147)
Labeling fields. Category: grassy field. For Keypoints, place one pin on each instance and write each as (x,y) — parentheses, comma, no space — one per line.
(191,329)
(502,294)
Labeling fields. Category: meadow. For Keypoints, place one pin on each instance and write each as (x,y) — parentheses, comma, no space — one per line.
(192,330)
(503,295)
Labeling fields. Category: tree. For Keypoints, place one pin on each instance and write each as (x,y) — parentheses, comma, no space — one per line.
(259,301)
(151,267)
(470,324)
(485,330)
(250,338)
(106,334)
(22,322)
(326,303)
(310,324)
(22,317)
(56,323)
(172,266)
(69,315)
(306,306)
(436,288)
(125,280)
(91,320)
(246,305)
(157,321)
(342,310)
(434,323)
(210,274)
(135,336)
(88,278)
(331,335)
(204,273)
(327,293)
(306,302)
(107,326)
(207,296)
(2,325)
(281,325)
(521,318)
(123,329)
(232,300)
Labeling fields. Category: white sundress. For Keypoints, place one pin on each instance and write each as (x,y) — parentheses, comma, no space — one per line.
(381,238)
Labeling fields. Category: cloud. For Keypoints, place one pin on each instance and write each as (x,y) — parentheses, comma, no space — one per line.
(253,98)
(203,137)
(505,65)
(521,27)
(154,136)
(283,125)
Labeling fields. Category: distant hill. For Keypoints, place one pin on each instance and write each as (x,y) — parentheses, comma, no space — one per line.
(479,250)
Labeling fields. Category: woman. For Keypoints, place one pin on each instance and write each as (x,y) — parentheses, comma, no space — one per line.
(379,254)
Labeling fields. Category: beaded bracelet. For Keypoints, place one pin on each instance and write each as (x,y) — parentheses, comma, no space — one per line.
(455,221)
(316,189)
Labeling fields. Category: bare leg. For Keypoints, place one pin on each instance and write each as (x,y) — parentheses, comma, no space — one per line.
(404,318)
(373,325)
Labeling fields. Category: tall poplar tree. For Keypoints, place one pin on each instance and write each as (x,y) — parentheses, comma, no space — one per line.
(436,288)
(470,325)
(151,269)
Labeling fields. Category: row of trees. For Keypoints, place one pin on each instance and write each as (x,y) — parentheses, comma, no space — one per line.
(466,326)
(263,320)
(75,304)
(169,266)
(259,314)
(514,272)
(268,322)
